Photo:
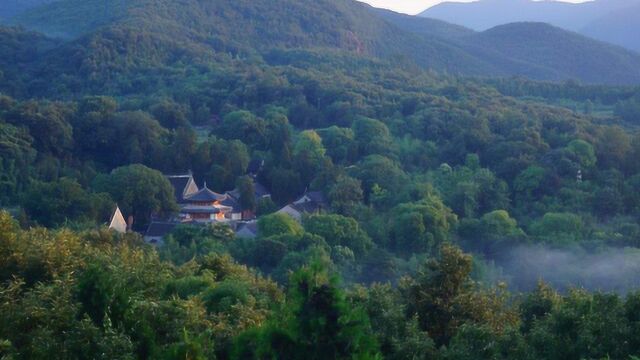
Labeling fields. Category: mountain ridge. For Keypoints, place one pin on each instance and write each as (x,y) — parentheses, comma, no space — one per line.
(579,17)
(166,32)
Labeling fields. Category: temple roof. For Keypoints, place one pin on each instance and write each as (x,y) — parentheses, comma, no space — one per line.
(307,207)
(179,183)
(205,195)
(232,203)
(260,191)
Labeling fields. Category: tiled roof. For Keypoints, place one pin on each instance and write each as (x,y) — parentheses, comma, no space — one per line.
(206,195)
(307,207)
(260,191)
(232,203)
(179,183)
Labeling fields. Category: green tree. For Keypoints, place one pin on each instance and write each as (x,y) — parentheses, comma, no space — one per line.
(278,224)
(381,171)
(421,226)
(308,155)
(247,193)
(317,323)
(399,336)
(169,114)
(373,137)
(138,138)
(530,182)
(340,143)
(53,204)
(444,298)
(338,230)
(221,161)
(492,233)
(286,185)
(345,194)
(246,127)
(613,145)
(584,152)
(432,295)
(16,159)
(139,191)
(559,228)
(49,124)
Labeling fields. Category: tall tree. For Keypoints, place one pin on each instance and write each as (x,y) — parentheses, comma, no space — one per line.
(139,191)
(316,323)
(308,155)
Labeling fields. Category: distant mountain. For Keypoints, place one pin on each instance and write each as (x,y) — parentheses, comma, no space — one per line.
(534,50)
(582,17)
(621,27)
(552,49)
(11,8)
(104,38)
(423,26)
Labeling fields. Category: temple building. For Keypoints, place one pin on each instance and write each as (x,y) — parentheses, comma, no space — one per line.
(312,202)
(208,206)
(200,207)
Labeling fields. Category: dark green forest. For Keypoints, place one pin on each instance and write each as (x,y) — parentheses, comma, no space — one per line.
(469,217)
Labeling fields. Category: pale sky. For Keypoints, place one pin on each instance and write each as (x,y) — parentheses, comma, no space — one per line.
(417,6)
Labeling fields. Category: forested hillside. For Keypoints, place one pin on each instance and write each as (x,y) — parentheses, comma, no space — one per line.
(461,217)
(71,295)
(336,24)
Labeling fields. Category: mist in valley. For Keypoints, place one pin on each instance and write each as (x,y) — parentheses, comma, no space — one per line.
(610,269)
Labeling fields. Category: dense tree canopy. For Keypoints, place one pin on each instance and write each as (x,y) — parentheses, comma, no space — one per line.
(434,186)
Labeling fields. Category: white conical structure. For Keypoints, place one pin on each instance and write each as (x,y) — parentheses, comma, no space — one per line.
(118,222)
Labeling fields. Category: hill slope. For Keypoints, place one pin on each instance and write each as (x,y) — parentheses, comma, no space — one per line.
(253,25)
(104,37)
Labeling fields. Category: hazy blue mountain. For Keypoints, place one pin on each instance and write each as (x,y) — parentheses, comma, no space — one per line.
(557,50)
(621,27)
(423,26)
(11,8)
(595,18)
(535,50)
